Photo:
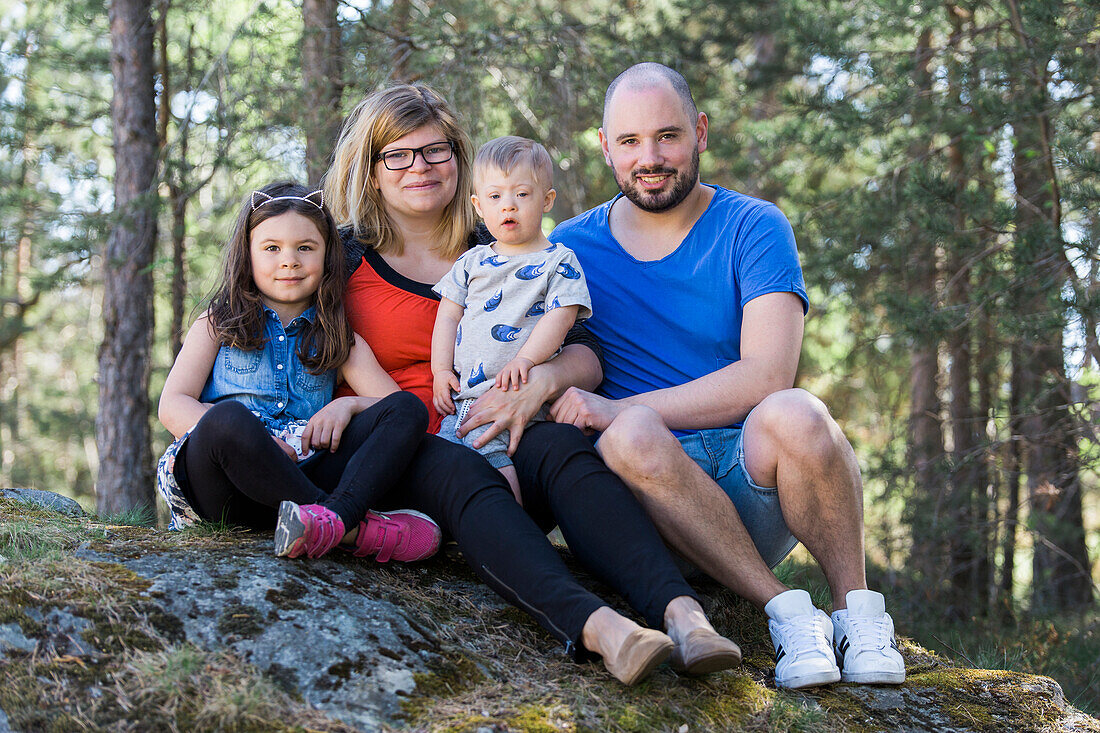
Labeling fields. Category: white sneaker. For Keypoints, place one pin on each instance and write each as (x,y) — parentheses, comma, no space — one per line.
(863,633)
(802,636)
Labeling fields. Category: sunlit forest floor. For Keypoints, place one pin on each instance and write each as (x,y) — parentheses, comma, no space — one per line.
(1066,648)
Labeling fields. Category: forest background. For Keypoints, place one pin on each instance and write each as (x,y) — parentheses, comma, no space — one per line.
(939,162)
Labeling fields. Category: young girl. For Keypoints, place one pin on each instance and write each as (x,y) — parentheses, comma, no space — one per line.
(248,398)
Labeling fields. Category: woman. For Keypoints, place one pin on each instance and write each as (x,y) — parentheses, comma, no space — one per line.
(408,217)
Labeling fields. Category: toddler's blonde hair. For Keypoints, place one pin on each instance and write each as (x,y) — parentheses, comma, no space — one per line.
(505,153)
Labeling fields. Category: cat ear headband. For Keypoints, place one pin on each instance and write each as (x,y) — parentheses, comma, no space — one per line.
(259,198)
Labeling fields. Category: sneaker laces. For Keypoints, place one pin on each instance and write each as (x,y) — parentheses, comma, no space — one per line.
(869,633)
(806,638)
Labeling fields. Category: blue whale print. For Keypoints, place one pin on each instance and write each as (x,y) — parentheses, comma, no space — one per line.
(536,310)
(458,336)
(530,272)
(504,333)
(476,377)
(551,248)
(494,260)
(568,272)
(555,304)
(492,303)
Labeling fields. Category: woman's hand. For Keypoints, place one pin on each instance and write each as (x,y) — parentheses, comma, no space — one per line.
(443,384)
(509,410)
(327,425)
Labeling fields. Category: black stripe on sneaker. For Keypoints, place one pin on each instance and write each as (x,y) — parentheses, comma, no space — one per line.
(843,645)
(779,653)
(894,645)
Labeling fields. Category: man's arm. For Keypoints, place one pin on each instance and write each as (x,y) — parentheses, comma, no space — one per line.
(771,341)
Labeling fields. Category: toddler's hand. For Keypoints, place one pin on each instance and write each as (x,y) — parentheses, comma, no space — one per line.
(514,373)
(443,383)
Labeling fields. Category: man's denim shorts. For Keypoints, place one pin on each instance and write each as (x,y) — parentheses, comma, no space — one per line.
(721,454)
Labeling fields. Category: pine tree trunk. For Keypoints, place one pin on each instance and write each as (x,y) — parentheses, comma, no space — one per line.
(19,295)
(1013,474)
(175,169)
(1060,565)
(122,423)
(962,537)
(321,75)
(925,430)
(402,45)
(965,537)
(986,481)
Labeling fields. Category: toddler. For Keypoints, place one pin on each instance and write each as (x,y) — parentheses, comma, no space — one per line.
(506,306)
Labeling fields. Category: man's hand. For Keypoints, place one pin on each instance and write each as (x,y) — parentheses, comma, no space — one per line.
(291,453)
(327,425)
(443,383)
(591,413)
(514,373)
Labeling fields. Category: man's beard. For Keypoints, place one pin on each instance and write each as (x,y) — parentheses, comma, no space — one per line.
(654,203)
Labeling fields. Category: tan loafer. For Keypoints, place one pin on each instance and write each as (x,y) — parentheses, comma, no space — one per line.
(704,651)
(641,653)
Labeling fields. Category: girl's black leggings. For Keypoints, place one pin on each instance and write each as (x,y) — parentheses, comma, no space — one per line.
(231,468)
(565,483)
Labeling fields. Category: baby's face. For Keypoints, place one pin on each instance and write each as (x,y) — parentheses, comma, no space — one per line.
(512,204)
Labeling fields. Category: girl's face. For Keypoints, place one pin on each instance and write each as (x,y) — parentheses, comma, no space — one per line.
(422,190)
(288,260)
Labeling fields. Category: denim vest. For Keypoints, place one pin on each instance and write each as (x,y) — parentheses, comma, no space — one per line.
(271,381)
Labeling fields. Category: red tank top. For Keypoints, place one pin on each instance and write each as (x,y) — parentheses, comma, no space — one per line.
(395,316)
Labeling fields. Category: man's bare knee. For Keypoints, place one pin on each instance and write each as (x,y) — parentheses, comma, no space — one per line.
(637,445)
(798,422)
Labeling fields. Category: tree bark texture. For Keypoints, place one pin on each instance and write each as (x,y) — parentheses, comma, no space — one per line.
(322,76)
(122,423)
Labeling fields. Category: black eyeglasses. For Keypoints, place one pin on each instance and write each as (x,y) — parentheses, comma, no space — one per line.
(402,158)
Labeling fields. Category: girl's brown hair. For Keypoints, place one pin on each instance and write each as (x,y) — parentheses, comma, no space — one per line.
(235,307)
(350,184)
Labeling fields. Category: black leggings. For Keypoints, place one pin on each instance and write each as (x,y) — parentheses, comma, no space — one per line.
(230,468)
(565,483)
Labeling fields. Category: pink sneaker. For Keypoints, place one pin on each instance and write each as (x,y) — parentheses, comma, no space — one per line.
(402,535)
(310,529)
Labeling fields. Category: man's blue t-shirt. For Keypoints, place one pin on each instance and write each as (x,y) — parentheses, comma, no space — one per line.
(669,321)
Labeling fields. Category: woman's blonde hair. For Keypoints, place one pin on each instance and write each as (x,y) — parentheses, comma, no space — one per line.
(351,189)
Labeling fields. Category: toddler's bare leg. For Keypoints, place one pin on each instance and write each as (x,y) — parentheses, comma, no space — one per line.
(509,473)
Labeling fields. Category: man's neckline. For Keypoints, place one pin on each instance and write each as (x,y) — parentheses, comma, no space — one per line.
(679,245)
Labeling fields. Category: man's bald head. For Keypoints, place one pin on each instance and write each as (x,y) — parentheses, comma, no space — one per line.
(646,76)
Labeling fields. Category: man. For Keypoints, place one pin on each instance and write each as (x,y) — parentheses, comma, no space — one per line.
(699,304)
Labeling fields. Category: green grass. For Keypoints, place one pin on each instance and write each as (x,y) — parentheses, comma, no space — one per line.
(192,688)
(138,516)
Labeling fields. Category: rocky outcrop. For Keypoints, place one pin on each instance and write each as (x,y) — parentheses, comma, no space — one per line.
(124,628)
